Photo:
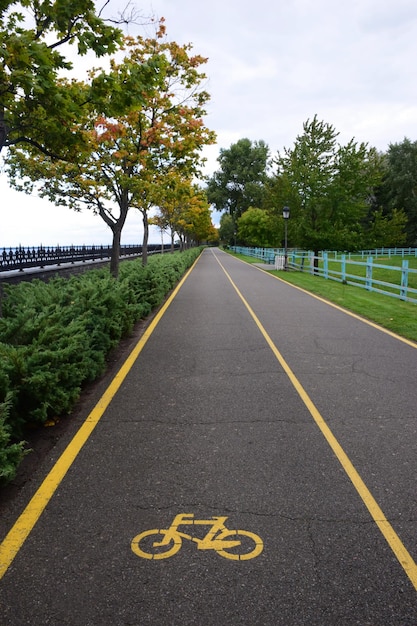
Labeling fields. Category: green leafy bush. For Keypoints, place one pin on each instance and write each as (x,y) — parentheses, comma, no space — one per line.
(11,454)
(55,337)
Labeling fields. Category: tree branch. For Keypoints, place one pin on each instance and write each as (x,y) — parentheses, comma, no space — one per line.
(33,143)
(67,37)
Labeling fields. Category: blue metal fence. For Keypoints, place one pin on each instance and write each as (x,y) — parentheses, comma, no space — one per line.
(357,269)
(266,255)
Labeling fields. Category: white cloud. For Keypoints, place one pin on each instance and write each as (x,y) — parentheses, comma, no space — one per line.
(271,67)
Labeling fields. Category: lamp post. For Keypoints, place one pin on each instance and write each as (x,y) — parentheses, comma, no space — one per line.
(285,215)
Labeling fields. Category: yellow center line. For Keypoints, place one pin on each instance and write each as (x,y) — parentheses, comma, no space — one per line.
(24,525)
(371,504)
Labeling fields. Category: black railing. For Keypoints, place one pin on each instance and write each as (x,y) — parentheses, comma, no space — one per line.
(25,257)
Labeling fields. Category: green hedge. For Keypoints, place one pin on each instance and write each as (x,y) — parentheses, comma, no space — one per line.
(55,337)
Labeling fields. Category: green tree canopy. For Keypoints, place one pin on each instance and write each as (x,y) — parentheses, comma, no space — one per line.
(227,229)
(399,186)
(257,227)
(327,186)
(35,107)
(386,231)
(240,181)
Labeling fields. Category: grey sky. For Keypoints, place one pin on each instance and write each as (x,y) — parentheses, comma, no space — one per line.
(271,67)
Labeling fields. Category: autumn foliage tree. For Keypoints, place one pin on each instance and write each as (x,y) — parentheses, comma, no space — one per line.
(194,222)
(184,211)
(171,204)
(145,117)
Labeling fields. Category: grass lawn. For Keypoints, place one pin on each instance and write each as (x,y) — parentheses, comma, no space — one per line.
(395,315)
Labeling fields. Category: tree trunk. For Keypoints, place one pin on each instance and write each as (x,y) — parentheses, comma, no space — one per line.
(115,252)
(145,238)
(172,241)
(116,225)
(3,129)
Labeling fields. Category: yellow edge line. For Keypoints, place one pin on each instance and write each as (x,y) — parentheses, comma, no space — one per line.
(371,504)
(23,526)
(409,342)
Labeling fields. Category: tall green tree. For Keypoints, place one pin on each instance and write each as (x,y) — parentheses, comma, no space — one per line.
(327,186)
(386,231)
(240,181)
(227,230)
(398,190)
(257,227)
(36,108)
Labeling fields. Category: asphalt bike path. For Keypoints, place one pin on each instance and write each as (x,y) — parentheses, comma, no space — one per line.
(254,462)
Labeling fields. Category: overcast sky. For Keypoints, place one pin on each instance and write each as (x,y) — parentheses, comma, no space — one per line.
(272,66)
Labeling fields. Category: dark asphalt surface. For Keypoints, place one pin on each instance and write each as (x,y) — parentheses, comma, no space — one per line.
(208,423)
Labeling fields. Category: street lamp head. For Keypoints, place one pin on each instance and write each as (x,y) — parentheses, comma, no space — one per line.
(286,212)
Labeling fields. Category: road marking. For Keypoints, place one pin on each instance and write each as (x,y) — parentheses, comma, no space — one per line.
(23,526)
(237,545)
(393,540)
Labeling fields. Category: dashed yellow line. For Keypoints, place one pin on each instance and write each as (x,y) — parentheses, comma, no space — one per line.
(393,540)
(27,520)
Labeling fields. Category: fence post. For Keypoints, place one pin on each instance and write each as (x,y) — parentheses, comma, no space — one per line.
(404,280)
(343,268)
(369,273)
(311,261)
(325,265)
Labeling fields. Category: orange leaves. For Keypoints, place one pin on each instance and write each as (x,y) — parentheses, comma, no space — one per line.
(161,32)
(108,130)
(197,60)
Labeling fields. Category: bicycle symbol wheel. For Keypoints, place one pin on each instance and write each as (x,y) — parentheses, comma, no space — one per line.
(143,546)
(246,540)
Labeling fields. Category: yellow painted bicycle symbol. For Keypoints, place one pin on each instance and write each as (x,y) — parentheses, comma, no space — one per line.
(238,545)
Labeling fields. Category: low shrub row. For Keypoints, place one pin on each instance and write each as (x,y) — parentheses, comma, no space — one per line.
(55,337)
